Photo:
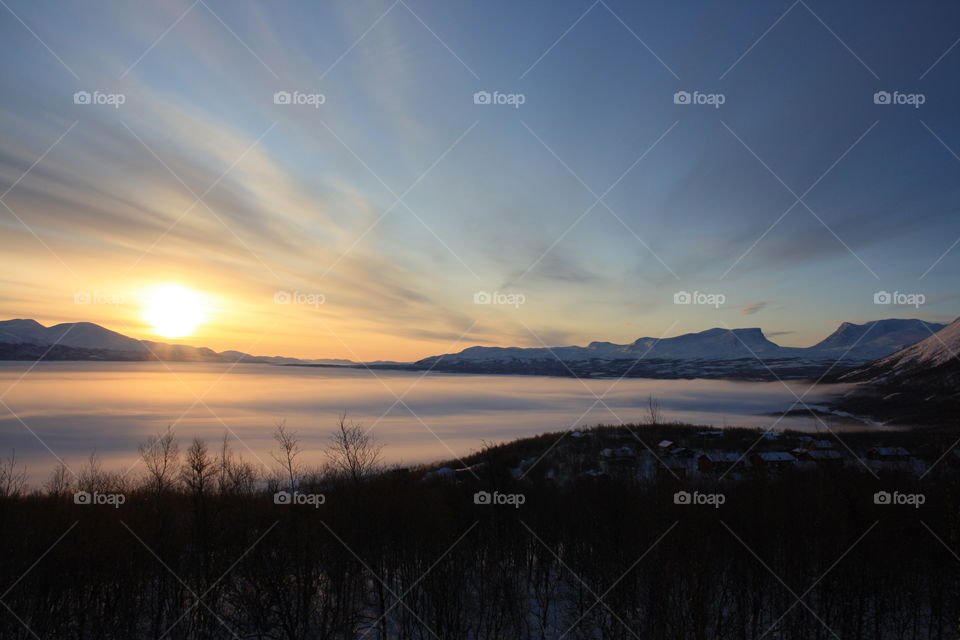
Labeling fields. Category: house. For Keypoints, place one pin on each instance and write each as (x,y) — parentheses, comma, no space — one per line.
(820,445)
(717,461)
(665,444)
(772,459)
(772,435)
(681,452)
(889,454)
(825,458)
(713,433)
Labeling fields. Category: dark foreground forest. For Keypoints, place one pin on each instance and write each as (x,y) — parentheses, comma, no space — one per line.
(206,549)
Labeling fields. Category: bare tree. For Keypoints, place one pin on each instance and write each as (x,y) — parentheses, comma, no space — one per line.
(160,455)
(197,471)
(93,479)
(59,483)
(654,415)
(235,475)
(13,479)
(352,451)
(287,456)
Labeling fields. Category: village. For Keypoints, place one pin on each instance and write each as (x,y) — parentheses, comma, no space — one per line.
(677,459)
(687,453)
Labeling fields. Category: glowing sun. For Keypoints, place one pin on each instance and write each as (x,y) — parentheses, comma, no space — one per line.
(174,311)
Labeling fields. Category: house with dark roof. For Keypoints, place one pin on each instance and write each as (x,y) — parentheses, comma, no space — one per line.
(717,461)
(772,459)
(825,458)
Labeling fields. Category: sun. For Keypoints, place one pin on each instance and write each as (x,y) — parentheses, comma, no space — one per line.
(174,311)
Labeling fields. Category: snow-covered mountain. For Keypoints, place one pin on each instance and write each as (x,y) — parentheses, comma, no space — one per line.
(937,350)
(714,353)
(918,385)
(876,339)
(712,344)
(853,342)
(25,339)
(84,335)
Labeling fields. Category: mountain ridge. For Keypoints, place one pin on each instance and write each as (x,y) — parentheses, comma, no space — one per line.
(851,342)
(27,339)
(743,353)
(919,384)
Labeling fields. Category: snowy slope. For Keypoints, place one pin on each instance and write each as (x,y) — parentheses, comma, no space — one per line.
(936,350)
(712,344)
(919,385)
(84,335)
(852,342)
(875,339)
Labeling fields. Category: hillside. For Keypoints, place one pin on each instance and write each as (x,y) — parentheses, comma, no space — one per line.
(916,385)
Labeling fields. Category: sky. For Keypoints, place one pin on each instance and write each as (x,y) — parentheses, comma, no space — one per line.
(446,174)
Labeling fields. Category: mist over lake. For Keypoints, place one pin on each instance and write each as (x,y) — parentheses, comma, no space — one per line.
(76,408)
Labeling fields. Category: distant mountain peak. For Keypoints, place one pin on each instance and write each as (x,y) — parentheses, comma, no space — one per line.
(27,339)
(876,338)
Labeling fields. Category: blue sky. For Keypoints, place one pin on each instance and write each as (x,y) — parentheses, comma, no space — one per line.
(492,197)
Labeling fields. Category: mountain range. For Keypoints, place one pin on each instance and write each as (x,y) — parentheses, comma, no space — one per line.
(25,339)
(906,371)
(714,353)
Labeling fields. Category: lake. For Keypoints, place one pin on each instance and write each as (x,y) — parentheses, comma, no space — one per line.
(76,408)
